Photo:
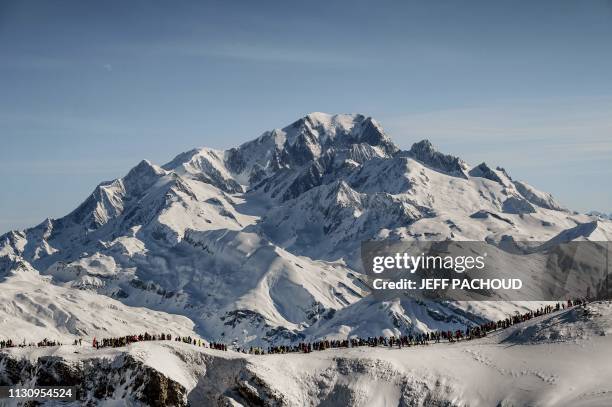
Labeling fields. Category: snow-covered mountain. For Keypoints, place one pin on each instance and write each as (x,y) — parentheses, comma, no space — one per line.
(260,243)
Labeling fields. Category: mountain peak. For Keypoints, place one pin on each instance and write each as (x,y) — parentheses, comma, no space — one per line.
(142,176)
(482,170)
(181,159)
(425,152)
(310,141)
(343,120)
(145,167)
(339,128)
(423,145)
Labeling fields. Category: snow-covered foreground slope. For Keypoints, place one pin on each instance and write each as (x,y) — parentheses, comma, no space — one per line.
(560,359)
(259,244)
(33,309)
(569,369)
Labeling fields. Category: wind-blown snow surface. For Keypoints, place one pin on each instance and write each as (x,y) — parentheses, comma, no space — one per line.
(560,359)
(259,244)
(32,308)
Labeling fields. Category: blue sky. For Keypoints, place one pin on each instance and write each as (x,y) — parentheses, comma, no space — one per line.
(90,88)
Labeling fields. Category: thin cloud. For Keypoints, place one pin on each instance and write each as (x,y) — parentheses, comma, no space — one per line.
(265,53)
(271,54)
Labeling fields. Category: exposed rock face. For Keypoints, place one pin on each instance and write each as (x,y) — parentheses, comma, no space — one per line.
(230,382)
(482,170)
(95,380)
(427,154)
(207,166)
(482,214)
(517,206)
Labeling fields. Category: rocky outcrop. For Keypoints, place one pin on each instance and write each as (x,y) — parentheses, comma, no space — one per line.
(517,206)
(424,152)
(122,378)
(482,170)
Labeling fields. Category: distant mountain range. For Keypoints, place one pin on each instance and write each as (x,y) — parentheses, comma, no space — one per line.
(601,215)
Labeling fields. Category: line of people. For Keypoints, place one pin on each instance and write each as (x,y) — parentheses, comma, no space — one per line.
(9,343)
(120,341)
(470,332)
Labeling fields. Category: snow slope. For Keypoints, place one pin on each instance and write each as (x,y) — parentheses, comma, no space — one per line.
(522,365)
(32,308)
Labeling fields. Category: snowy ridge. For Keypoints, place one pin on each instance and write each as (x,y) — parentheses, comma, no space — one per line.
(556,359)
(34,308)
(260,243)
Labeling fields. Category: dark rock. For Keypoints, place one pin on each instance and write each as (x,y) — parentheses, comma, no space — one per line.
(483,171)
(424,152)
(517,206)
(95,379)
